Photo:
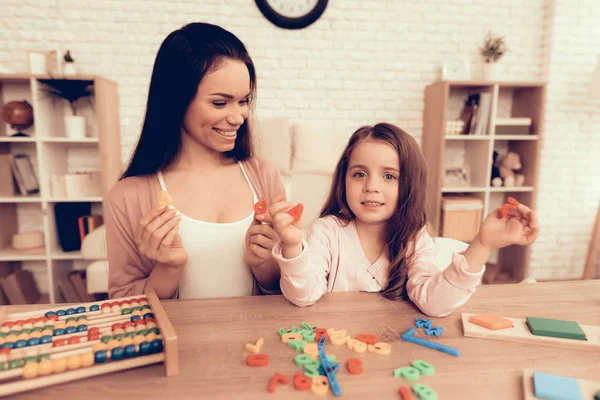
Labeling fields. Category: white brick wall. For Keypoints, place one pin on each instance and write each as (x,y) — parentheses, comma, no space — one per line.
(362,62)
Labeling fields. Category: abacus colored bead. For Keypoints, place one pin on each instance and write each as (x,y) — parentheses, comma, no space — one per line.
(119,336)
(150,325)
(139,322)
(93,330)
(138,340)
(53,317)
(43,357)
(153,330)
(3,334)
(60,325)
(48,332)
(113,344)
(135,308)
(148,315)
(150,319)
(82,318)
(115,309)
(33,342)
(116,353)
(129,351)
(49,314)
(59,365)
(46,339)
(94,336)
(144,307)
(144,348)
(126,311)
(70,329)
(99,346)
(94,307)
(126,341)
(80,310)
(4,351)
(100,356)
(86,359)
(20,343)
(81,328)
(71,323)
(45,367)
(8,324)
(116,326)
(142,332)
(23,336)
(150,337)
(30,359)
(130,334)
(39,324)
(70,311)
(3,365)
(58,343)
(156,346)
(28,326)
(15,364)
(106,339)
(37,329)
(14,332)
(73,362)
(8,345)
(74,340)
(61,313)
(119,332)
(58,332)
(30,371)
(134,318)
(71,319)
(35,335)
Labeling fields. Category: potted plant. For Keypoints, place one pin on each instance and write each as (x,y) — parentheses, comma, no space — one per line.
(494,47)
(69,66)
(73,91)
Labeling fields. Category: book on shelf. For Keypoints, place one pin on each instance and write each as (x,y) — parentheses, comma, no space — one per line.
(87,224)
(476,113)
(24,175)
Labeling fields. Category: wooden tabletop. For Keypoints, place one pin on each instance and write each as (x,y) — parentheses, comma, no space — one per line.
(213,334)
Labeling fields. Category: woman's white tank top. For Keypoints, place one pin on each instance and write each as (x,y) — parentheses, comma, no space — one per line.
(215,266)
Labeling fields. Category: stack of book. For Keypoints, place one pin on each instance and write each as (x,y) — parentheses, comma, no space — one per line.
(476,114)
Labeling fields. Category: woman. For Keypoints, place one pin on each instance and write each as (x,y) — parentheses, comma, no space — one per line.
(196,148)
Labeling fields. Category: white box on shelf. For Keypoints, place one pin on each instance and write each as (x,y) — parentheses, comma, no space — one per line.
(76,185)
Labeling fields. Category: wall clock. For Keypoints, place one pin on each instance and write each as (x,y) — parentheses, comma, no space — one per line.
(292,14)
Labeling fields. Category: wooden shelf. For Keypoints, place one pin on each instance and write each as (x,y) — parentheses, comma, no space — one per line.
(515,137)
(68,140)
(509,100)
(95,199)
(65,255)
(468,137)
(14,255)
(52,153)
(20,199)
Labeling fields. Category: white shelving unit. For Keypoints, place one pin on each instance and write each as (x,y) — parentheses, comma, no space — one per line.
(444,101)
(51,152)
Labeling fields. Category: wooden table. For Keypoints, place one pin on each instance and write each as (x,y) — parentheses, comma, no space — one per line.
(213,333)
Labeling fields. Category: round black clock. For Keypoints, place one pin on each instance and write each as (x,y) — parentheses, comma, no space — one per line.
(292,14)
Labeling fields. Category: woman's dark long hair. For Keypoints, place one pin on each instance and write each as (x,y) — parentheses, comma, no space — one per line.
(410,216)
(184,57)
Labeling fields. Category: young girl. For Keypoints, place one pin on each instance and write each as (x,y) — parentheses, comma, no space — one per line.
(372,236)
(196,149)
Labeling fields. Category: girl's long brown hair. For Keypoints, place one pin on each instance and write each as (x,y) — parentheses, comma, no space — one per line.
(410,216)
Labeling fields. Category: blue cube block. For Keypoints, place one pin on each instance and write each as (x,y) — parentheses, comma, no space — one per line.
(554,387)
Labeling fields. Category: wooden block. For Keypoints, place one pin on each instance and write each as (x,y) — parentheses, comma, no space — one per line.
(548,386)
(520,333)
(586,387)
(555,328)
(491,321)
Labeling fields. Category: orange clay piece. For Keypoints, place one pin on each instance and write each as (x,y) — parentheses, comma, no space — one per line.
(405,393)
(321,332)
(491,321)
(257,360)
(277,378)
(512,203)
(355,366)
(368,338)
(302,382)
(296,211)
(165,199)
(260,207)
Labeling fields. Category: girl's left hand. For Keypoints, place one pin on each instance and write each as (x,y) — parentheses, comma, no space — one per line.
(521,228)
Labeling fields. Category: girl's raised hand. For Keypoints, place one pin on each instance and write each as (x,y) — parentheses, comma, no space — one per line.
(520,228)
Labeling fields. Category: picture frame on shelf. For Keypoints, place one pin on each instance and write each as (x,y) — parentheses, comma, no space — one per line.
(25,175)
(457,176)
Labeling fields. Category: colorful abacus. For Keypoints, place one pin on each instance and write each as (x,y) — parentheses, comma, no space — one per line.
(67,344)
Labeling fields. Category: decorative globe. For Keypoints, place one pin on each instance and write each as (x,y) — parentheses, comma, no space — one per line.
(19,114)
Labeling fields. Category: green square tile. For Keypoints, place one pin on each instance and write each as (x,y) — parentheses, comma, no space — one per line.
(555,328)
